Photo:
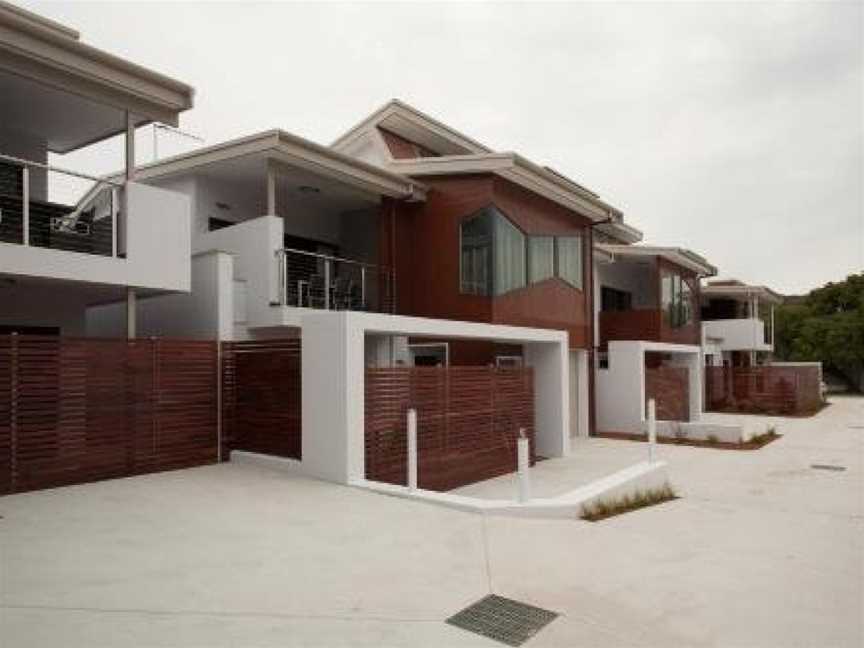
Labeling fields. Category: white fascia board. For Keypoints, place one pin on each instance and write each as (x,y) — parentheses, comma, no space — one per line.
(441,328)
(678,256)
(513,168)
(743,292)
(622,231)
(398,109)
(50,56)
(295,151)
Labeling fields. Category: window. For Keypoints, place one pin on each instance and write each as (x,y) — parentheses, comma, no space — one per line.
(569,251)
(492,254)
(509,256)
(612,299)
(541,258)
(676,300)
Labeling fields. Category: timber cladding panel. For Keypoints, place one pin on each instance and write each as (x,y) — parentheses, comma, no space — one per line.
(74,410)
(670,389)
(261,397)
(763,390)
(468,420)
(426,256)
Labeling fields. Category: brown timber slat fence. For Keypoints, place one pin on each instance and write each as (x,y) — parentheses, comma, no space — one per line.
(763,390)
(261,397)
(670,389)
(74,410)
(468,420)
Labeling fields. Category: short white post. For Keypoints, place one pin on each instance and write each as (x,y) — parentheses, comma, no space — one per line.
(524,459)
(652,429)
(412,449)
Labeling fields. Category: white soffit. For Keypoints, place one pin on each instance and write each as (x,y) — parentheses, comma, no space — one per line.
(742,292)
(679,256)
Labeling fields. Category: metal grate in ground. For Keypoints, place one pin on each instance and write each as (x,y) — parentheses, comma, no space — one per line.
(505,620)
(827,467)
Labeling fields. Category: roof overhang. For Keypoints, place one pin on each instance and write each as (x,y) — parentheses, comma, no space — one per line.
(51,55)
(679,256)
(621,231)
(742,292)
(416,126)
(519,170)
(290,150)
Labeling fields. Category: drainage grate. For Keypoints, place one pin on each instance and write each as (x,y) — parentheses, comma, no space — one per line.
(827,467)
(502,619)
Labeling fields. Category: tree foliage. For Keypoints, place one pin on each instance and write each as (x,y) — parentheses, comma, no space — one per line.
(827,325)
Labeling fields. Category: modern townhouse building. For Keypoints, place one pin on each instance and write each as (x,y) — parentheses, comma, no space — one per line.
(67,240)
(738,322)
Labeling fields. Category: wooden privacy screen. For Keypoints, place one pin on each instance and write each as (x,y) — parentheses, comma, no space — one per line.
(261,397)
(670,389)
(763,390)
(468,419)
(74,410)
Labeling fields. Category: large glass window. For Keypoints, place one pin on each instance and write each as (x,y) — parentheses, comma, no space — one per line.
(541,258)
(509,256)
(676,300)
(476,259)
(569,250)
(492,254)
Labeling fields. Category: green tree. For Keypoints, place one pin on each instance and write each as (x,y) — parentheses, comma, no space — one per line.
(827,326)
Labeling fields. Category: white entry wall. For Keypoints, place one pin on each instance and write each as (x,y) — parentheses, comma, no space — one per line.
(621,386)
(333,375)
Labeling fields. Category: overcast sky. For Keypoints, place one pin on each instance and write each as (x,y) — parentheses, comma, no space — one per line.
(733,130)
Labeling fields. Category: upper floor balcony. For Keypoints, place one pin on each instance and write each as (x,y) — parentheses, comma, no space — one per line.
(739,317)
(649,294)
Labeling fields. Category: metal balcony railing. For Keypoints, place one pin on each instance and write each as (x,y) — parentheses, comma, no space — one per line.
(312,280)
(91,226)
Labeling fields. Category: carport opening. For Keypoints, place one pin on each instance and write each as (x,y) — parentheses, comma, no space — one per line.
(472,398)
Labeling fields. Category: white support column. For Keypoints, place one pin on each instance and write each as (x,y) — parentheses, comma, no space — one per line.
(772,326)
(130,146)
(271,191)
(652,429)
(412,449)
(131,315)
(523,464)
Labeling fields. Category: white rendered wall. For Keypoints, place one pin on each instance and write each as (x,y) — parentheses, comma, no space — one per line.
(157,251)
(579,393)
(620,389)
(334,357)
(253,244)
(204,313)
(738,334)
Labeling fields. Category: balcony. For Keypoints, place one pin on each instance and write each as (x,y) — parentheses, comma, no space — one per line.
(311,280)
(743,334)
(644,324)
(145,245)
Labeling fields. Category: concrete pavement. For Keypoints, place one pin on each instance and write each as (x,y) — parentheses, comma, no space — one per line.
(762,550)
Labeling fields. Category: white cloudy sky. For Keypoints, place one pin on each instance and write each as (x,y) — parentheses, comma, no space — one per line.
(731,129)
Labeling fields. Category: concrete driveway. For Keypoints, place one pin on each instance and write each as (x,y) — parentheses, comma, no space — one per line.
(762,550)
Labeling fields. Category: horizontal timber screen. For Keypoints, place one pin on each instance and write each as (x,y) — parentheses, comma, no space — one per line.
(670,389)
(763,390)
(261,408)
(468,420)
(75,410)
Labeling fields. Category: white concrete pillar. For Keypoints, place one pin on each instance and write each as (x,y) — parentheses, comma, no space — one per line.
(652,429)
(271,191)
(25,206)
(412,449)
(523,459)
(550,363)
(130,146)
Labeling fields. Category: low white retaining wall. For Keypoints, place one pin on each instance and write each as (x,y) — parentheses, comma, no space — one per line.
(723,428)
(639,477)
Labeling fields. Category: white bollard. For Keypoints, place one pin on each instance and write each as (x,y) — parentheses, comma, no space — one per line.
(412,449)
(523,463)
(652,429)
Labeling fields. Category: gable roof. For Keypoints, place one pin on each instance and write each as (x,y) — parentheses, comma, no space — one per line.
(416,126)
